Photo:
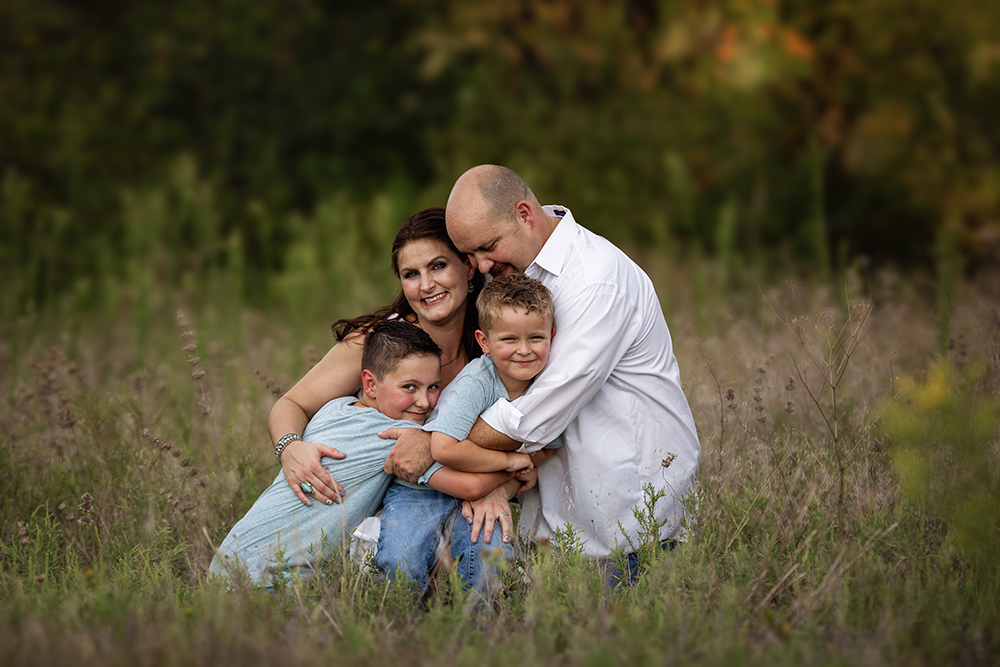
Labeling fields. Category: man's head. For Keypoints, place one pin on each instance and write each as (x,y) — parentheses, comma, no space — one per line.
(515,325)
(401,371)
(494,218)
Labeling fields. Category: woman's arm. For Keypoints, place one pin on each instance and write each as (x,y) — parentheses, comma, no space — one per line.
(337,374)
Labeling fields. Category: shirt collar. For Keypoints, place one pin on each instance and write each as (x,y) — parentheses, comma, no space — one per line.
(553,254)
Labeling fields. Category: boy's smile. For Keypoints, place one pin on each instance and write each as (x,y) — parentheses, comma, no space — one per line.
(519,344)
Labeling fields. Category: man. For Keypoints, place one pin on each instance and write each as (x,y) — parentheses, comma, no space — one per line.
(612,384)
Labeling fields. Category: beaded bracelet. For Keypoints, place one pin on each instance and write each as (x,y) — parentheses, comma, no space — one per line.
(285,440)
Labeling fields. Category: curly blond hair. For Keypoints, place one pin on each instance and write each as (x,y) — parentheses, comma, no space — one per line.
(514,290)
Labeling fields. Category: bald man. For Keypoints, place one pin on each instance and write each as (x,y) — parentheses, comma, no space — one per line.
(611,386)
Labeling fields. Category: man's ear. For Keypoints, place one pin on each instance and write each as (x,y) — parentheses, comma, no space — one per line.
(484,343)
(525,214)
(369,383)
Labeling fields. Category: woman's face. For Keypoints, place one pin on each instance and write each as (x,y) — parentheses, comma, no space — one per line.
(435,280)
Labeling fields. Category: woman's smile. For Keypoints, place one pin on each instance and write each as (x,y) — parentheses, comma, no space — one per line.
(431,300)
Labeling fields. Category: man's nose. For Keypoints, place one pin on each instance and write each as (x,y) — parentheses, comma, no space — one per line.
(484,264)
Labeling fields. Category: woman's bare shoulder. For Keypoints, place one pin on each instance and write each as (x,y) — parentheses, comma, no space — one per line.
(337,374)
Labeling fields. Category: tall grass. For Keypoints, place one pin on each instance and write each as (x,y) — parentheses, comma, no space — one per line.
(126,457)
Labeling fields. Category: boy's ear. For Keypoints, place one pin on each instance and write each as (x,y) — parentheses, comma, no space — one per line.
(369,383)
(484,342)
(553,334)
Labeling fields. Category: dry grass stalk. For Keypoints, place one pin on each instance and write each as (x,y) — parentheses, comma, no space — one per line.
(841,342)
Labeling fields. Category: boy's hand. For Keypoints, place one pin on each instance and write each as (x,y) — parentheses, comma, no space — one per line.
(518,462)
(300,463)
(411,456)
(528,480)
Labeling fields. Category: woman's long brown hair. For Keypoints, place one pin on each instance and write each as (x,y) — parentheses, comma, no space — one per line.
(427,224)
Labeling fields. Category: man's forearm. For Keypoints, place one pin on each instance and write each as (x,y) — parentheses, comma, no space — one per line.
(487,437)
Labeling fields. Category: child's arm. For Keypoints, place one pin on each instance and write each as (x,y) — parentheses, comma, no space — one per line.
(467,456)
(466,485)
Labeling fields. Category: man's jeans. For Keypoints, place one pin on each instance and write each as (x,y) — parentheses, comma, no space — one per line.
(412,522)
(613,577)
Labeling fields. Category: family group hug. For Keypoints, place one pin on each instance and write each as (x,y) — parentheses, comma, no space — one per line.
(525,359)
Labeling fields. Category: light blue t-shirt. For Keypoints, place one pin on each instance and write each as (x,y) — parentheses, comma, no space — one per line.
(477,387)
(279,517)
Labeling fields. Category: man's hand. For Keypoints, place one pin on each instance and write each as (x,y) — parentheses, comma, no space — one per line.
(487,437)
(300,462)
(411,456)
(493,507)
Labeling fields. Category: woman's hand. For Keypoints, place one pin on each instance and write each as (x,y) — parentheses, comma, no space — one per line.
(300,462)
(411,456)
(492,507)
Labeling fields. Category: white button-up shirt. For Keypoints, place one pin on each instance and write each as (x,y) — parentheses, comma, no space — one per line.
(612,388)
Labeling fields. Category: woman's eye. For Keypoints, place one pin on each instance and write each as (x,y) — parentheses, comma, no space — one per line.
(409,274)
(439,265)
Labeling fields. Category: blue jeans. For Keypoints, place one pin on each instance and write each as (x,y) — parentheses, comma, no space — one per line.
(613,577)
(413,520)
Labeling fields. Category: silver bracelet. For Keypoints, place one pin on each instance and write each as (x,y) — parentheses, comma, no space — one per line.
(283,442)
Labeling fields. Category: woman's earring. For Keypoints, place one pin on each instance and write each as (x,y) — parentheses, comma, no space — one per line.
(472,288)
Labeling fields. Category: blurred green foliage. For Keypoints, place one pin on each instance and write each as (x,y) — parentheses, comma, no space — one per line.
(947,454)
(781,128)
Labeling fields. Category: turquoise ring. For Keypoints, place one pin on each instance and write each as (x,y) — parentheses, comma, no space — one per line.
(307,487)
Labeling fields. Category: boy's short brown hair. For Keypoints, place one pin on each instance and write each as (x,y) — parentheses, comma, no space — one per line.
(389,342)
(514,290)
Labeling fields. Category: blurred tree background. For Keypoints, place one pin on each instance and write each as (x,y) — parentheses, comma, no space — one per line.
(149,144)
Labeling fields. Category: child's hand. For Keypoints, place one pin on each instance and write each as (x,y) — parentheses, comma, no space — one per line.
(528,480)
(519,463)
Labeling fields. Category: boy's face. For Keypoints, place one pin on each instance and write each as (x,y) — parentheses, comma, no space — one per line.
(410,391)
(519,343)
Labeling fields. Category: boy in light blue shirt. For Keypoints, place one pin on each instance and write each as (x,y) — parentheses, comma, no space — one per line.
(516,329)
(279,536)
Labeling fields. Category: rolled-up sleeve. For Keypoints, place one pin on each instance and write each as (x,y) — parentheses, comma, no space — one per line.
(593,332)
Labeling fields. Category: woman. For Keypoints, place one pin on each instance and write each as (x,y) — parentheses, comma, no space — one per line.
(439,290)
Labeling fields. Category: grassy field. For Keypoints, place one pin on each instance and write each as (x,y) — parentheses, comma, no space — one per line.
(848,502)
